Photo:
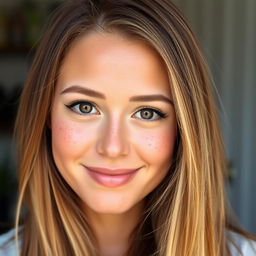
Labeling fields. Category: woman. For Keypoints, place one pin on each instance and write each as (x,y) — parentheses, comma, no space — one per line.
(119,147)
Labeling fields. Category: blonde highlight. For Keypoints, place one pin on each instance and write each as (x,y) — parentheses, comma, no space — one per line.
(186,214)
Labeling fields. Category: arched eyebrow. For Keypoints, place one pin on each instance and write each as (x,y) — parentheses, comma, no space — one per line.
(93,93)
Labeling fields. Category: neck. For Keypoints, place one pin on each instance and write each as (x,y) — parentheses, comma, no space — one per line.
(113,231)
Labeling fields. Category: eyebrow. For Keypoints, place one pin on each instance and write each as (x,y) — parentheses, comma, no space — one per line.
(90,92)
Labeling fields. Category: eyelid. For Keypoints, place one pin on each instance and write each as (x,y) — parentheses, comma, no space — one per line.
(150,107)
(76,102)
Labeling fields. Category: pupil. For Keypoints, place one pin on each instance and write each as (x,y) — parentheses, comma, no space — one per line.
(147,114)
(85,107)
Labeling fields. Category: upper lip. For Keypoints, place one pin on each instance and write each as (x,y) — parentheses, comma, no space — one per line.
(116,171)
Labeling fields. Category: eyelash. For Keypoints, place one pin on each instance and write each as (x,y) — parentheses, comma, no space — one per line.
(72,106)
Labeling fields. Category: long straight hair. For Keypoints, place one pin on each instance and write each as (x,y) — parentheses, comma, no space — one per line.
(185,215)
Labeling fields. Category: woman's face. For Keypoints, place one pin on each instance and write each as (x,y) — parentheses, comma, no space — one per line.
(112,109)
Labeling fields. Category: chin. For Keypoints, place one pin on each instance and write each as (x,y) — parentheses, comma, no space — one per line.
(110,204)
(109,208)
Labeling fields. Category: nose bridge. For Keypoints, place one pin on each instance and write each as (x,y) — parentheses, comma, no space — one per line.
(113,138)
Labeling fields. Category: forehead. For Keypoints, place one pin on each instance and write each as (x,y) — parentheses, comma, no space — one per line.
(110,62)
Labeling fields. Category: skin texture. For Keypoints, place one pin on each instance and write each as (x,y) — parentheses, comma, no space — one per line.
(114,134)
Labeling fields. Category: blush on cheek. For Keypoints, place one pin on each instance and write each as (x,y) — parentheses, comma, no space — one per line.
(158,146)
(159,143)
(69,134)
(63,134)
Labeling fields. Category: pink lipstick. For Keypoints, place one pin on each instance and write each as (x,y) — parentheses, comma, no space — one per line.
(111,177)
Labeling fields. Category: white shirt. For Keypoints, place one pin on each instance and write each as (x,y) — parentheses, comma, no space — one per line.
(247,247)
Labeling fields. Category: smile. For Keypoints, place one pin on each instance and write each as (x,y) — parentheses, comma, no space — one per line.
(111,177)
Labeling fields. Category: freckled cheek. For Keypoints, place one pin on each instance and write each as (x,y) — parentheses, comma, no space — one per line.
(157,145)
(69,136)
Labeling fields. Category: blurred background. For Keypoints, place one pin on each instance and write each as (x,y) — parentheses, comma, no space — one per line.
(226,31)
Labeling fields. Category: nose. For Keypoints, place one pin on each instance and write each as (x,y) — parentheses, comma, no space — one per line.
(112,140)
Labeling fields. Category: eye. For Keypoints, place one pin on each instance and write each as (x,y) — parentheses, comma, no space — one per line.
(151,114)
(82,107)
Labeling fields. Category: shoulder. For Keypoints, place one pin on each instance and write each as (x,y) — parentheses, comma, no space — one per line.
(7,244)
(247,246)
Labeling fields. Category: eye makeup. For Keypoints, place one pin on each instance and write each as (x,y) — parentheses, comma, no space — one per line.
(79,107)
(82,107)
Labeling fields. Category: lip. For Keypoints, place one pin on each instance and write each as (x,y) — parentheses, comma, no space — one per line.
(111,177)
(108,171)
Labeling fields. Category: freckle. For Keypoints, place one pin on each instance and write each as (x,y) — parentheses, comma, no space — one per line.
(149,139)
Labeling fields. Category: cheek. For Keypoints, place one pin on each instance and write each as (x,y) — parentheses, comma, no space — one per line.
(157,146)
(158,143)
(65,135)
(69,138)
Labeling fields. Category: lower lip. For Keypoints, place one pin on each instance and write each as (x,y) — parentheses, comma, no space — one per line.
(111,181)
